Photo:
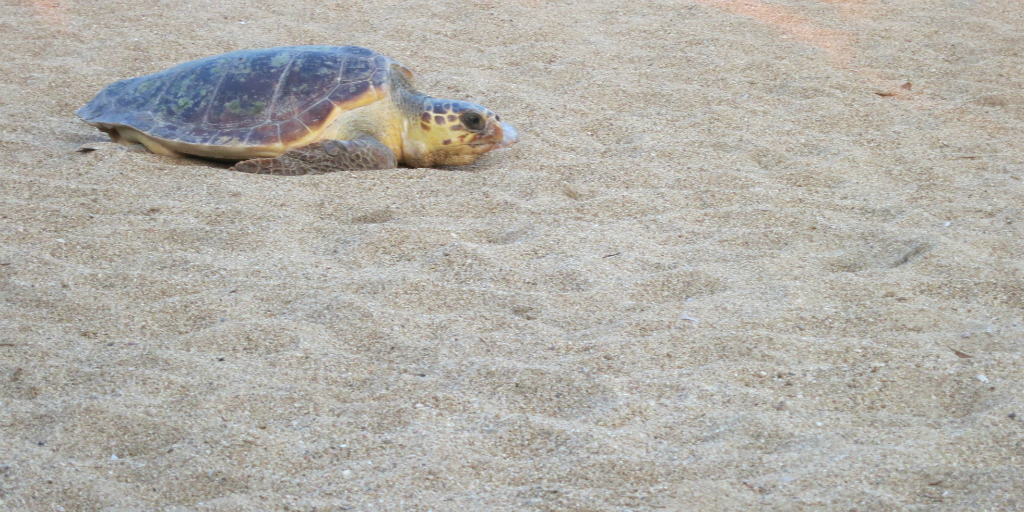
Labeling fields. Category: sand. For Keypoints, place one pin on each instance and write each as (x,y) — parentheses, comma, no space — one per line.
(748,255)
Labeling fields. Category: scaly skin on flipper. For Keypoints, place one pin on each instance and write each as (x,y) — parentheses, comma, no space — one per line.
(363,154)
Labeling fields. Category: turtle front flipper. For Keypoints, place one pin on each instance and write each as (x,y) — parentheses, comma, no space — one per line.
(363,154)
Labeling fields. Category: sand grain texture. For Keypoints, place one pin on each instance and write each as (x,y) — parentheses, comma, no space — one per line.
(735,263)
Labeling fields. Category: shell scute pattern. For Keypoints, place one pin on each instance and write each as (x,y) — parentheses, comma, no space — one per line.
(304,85)
(317,114)
(187,95)
(246,91)
(253,97)
(268,134)
(292,129)
(345,92)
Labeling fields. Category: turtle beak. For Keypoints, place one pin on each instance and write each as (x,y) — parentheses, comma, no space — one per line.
(509,135)
(499,135)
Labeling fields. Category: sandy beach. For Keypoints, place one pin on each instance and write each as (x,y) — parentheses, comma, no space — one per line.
(749,255)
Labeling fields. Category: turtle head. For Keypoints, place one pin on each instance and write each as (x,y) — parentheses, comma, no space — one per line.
(450,132)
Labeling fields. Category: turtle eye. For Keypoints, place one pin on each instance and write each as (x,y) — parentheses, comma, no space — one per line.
(472,121)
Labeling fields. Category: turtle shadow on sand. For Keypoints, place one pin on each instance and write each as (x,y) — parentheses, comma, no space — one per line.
(107,146)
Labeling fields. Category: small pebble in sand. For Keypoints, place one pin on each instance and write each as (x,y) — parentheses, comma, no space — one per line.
(347,474)
(982,378)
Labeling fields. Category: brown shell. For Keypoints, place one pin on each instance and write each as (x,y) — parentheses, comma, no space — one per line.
(247,98)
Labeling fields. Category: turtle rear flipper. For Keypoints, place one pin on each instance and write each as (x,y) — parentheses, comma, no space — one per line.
(363,154)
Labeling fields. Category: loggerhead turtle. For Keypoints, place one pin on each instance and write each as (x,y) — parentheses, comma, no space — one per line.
(296,110)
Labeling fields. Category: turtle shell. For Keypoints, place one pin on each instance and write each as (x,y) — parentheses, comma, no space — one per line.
(270,98)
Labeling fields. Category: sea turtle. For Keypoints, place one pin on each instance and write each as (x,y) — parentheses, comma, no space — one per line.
(296,110)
